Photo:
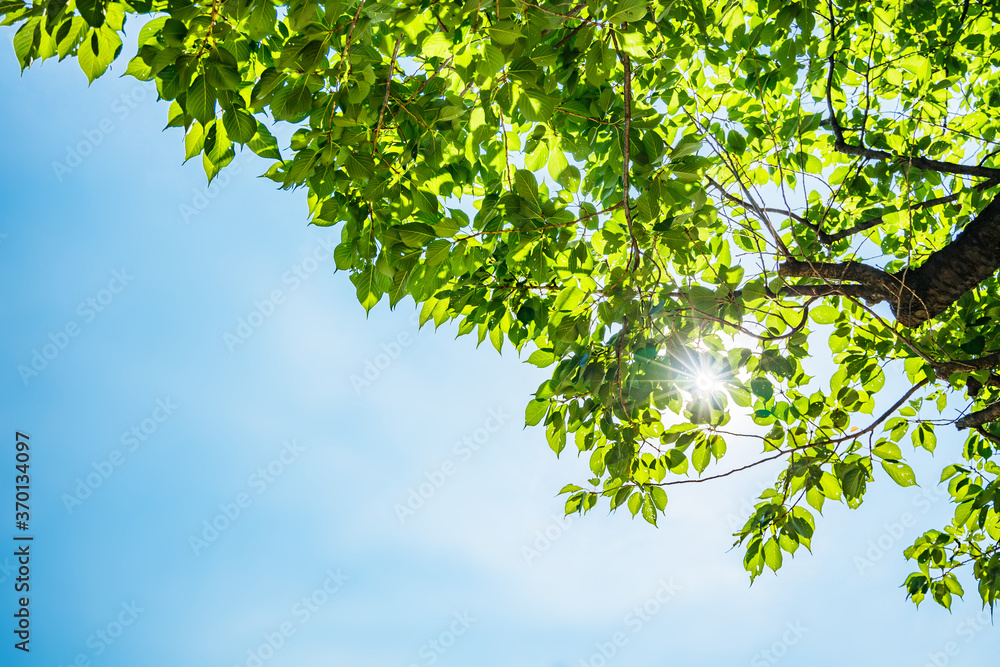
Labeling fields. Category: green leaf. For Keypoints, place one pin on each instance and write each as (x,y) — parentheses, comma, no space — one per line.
(369,284)
(627,11)
(659,497)
(649,509)
(264,144)
(218,147)
(525,185)
(505,32)
(569,298)
(824,314)
(262,20)
(437,46)
(438,251)
(92,12)
(700,457)
(492,61)
(542,358)
(194,140)
(853,480)
(762,387)
(221,71)
(535,412)
(24,40)
(830,486)
(888,450)
(901,473)
(924,437)
(360,166)
(240,126)
(772,554)
(635,503)
(200,100)
(557,163)
(97,51)
(138,68)
(343,256)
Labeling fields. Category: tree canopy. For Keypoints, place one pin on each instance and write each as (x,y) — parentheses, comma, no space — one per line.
(669,203)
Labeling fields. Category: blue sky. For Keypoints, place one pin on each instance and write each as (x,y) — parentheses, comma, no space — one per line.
(148,424)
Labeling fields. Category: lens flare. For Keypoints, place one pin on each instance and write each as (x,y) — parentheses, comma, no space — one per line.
(706,382)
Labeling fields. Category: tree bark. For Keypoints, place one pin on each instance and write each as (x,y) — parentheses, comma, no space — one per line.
(922,293)
(974,419)
(951,271)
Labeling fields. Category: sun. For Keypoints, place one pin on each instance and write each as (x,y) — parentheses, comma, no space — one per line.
(707,382)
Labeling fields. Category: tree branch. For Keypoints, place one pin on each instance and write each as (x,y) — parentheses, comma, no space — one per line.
(346,53)
(875,280)
(918,294)
(986,434)
(950,272)
(976,419)
(870,294)
(753,207)
(974,386)
(388,87)
(626,146)
(914,161)
(968,365)
(874,222)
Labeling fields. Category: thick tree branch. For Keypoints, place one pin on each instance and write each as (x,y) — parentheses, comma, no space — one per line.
(950,167)
(986,434)
(870,294)
(953,270)
(875,282)
(924,292)
(973,386)
(969,365)
(976,419)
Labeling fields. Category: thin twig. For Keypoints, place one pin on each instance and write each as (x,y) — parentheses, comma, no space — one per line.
(388,86)
(626,146)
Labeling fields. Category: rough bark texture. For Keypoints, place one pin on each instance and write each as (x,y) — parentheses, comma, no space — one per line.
(915,294)
(974,419)
(953,270)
